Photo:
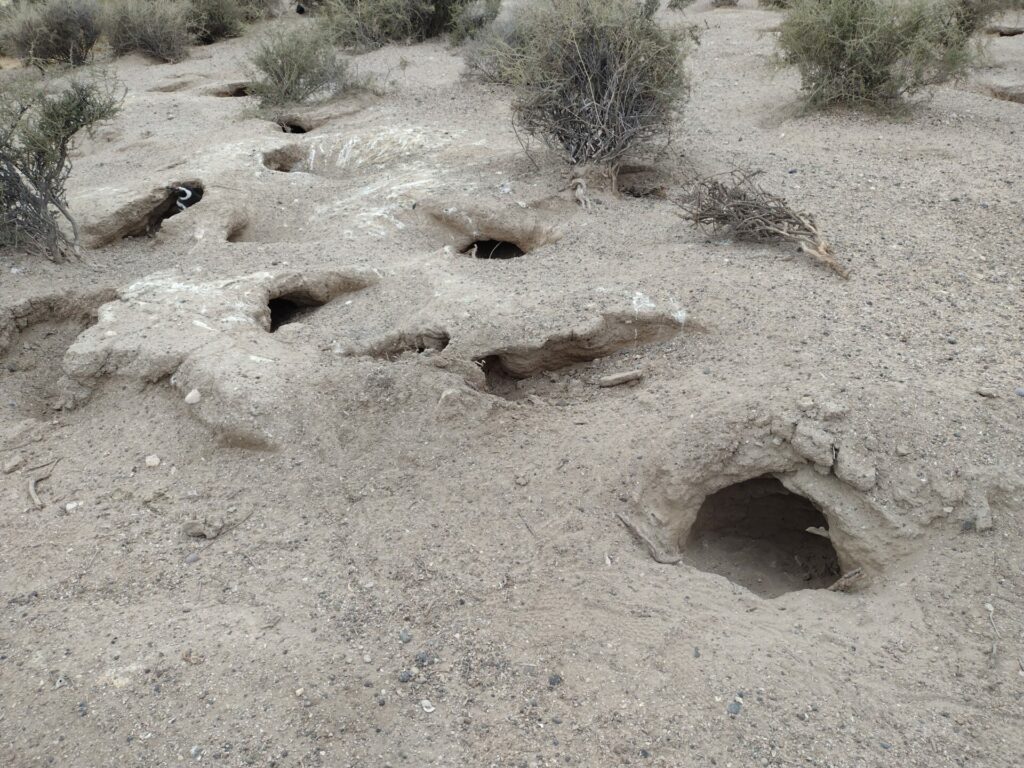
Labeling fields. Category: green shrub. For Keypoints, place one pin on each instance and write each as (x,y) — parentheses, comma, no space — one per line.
(37,132)
(151,27)
(596,77)
(873,52)
(366,24)
(296,66)
(213,20)
(55,30)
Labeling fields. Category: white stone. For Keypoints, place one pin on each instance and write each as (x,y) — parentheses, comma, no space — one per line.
(193,397)
(152,460)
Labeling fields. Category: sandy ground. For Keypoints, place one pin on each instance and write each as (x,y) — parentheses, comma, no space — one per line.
(358,548)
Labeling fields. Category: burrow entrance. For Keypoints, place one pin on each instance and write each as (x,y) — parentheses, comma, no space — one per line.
(177,198)
(232,90)
(763,537)
(296,124)
(493,249)
(291,308)
(286,159)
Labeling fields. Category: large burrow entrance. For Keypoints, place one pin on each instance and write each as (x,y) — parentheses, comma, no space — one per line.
(232,90)
(494,249)
(762,536)
(176,199)
(291,308)
(288,159)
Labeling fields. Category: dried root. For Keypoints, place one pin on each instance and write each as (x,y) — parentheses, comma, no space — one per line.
(739,206)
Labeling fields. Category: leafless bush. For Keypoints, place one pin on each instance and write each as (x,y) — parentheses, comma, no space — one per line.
(151,27)
(37,132)
(55,30)
(597,77)
(734,204)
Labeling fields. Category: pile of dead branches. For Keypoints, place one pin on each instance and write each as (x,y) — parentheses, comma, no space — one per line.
(734,204)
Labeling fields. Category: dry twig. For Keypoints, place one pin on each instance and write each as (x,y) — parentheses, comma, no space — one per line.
(739,206)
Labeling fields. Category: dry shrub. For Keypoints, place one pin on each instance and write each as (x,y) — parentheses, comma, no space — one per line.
(873,52)
(724,3)
(777,4)
(736,205)
(153,28)
(495,54)
(55,30)
(367,24)
(678,5)
(595,77)
(213,20)
(472,18)
(296,66)
(254,10)
(37,132)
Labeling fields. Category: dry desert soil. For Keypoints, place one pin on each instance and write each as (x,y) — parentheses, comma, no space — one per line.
(297,482)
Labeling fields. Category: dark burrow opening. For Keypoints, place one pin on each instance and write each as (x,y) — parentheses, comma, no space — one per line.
(290,308)
(500,381)
(493,249)
(285,159)
(763,537)
(179,197)
(234,90)
(428,341)
(292,125)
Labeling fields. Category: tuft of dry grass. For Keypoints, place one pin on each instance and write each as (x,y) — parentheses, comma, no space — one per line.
(296,66)
(151,27)
(368,24)
(734,204)
(55,30)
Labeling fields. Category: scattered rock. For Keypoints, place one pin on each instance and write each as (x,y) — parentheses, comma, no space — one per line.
(615,379)
(855,470)
(554,680)
(833,411)
(152,460)
(814,444)
(193,397)
(734,707)
(12,463)
(985,392)
(902,450)
(1019,391)
(196,752)
(405,676)
(192,557)
(206,528)
(404,635)
(427,706)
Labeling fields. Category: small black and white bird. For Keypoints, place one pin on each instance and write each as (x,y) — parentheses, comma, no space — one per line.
(187,196)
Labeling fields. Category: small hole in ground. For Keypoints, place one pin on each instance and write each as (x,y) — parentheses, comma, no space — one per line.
(293,126)
(755,533)
(286,159)
(179,197)
(234,90)
(290,308)
(500,381)
(493,249)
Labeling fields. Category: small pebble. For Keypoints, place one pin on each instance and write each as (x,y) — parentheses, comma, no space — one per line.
(427,706)
(734,708)
(405,636)
(555,680)
(193,397)
(13,463)
(696,653)
(152,460)
(192,557)
(367,658)
(196,752)
(404,676)
(1019,391)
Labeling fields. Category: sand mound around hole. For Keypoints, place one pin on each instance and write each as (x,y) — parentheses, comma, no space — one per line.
(469,227)
(114,214)
(216,329)
(875,506)
(73,306)
(338,155)
(608,334)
